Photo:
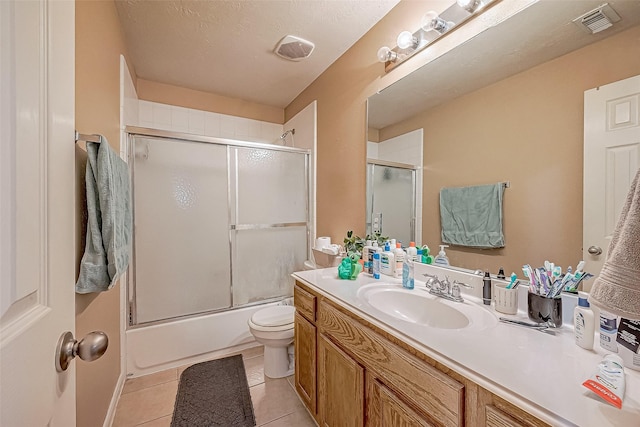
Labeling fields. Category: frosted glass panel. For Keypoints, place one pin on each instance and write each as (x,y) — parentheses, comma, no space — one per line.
(272,187)
(390,192)
(264,260)
(182,229)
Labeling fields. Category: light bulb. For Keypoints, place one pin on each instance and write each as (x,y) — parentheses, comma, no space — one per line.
(386,55)
(432,22)
(470,6)
(406,40)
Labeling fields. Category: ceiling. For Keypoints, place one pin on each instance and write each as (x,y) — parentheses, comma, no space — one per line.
(537,34)
(226,46)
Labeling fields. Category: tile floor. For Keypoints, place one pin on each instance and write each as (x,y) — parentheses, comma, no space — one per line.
(148,401)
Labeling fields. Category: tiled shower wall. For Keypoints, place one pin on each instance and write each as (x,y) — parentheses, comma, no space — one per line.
(186,120)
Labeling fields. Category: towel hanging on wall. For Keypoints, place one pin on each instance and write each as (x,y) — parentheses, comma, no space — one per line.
(472,216)
(617,288)
(109,224)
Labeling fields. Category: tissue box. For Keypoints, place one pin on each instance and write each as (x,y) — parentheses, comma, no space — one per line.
(323,260)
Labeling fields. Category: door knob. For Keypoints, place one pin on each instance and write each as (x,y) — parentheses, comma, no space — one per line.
(594,250)
(90,348)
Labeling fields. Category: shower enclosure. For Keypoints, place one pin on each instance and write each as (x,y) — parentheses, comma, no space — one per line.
(219,224)
(391,200)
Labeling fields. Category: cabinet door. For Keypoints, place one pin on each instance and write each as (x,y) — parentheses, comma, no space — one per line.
(305,355)
(494,417)
(340,387)
(394,412)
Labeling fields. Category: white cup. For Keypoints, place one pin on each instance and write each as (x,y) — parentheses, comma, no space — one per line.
(506,300)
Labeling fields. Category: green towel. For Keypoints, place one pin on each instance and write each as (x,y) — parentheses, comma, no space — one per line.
(109,225)
(472,216)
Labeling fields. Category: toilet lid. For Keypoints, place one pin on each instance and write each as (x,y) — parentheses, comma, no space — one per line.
(278,315)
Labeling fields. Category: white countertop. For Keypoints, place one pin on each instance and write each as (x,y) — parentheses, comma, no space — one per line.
(538,372)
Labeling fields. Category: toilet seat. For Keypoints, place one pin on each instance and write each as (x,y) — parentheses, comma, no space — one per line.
(276,318)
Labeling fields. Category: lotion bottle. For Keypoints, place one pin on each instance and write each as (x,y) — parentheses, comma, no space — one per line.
(608,331)
(387,261)
(412,252)
(399,255)
(583,322)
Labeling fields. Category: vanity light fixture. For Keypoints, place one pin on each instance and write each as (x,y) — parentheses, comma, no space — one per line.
(432,27)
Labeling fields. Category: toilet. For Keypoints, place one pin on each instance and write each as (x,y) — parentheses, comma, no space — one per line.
(273,328)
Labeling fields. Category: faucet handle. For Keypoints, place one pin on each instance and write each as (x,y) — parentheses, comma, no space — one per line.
(464,285)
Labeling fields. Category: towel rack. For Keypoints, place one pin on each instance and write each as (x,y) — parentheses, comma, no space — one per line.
(88,138)
(506,184)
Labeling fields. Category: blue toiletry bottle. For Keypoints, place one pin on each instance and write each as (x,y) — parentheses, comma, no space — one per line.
(407,274)
(376,265)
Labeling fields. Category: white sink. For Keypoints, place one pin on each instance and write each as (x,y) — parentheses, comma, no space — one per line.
(419,307)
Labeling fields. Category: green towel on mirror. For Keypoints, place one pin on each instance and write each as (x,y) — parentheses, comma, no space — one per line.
(472,216)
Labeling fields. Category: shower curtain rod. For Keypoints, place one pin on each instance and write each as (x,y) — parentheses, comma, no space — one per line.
(88,138)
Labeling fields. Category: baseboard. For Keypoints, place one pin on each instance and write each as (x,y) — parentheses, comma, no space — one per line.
(111,413)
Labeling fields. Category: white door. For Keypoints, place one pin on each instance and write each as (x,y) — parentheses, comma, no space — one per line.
(37,240)
(611,159)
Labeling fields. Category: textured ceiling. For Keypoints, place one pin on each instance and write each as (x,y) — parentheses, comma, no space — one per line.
(226,46)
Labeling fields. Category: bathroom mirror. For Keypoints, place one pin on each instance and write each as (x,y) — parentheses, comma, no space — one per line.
(508,106)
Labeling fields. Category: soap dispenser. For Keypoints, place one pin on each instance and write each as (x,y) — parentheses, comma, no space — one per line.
(441,259)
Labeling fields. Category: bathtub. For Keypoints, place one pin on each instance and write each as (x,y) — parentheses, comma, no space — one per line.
(191,340)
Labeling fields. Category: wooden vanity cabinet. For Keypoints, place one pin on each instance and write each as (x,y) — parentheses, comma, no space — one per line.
(305,345)
(351,373)
(340,387)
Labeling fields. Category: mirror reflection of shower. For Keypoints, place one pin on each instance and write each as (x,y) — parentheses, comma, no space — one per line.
(283,137)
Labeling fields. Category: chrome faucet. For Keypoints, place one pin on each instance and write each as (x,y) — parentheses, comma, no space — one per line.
(444,288)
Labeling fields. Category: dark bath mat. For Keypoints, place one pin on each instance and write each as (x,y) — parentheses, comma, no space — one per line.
(214,393)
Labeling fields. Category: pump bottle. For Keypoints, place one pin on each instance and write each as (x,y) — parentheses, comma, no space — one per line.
(583,322)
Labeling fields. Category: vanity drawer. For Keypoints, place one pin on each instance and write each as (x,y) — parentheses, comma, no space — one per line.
(305,303)
(438,395)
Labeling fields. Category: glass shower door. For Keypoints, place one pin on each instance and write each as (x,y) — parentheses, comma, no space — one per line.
(391,195)
(181,228)
(270,228)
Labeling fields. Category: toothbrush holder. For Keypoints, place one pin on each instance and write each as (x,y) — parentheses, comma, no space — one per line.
(505,300)
(545,310)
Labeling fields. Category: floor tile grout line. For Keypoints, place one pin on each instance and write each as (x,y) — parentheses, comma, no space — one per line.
(276,419)
(149,386)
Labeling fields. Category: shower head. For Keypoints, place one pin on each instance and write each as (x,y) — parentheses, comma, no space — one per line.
(290,131)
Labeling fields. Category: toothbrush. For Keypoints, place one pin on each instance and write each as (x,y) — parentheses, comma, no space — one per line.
(513,280)
(579,269)
(528,273)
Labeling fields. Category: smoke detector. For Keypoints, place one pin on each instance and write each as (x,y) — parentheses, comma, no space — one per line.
(598,19)
(294,48)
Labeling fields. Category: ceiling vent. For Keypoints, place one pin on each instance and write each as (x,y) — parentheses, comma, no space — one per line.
(294,48)
(598,19)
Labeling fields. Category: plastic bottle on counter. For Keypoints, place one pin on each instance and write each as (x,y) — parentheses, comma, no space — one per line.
(407,274)
(400,255)
(442,258)
(608,331)
(500,274)
(376,265)
(412,252)
(583,322)
(367,256)
(387,261)
(486,288)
